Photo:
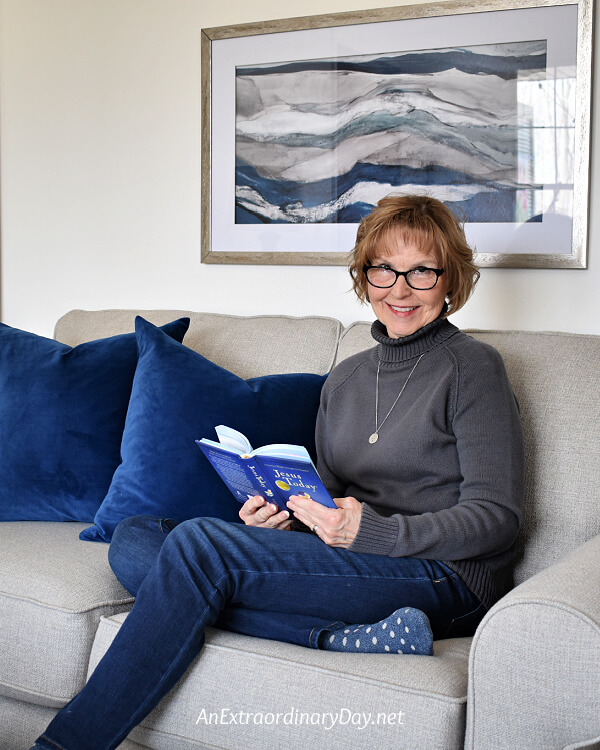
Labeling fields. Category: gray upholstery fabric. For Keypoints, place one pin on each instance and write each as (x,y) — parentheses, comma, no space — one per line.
(556,380)
(21,723)
(248,346)
(257,676)
(534,668)
(355,338)
(53,590)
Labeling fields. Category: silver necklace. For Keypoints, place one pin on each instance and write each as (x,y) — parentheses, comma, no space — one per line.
(375,436)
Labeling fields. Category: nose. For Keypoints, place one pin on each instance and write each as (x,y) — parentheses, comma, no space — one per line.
(401,288)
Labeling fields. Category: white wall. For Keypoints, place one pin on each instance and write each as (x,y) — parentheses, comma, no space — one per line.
(100,160)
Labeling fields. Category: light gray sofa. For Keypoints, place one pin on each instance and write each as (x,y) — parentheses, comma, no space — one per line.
(530,678)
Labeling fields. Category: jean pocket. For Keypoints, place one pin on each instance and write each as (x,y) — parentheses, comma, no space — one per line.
(167,524)
(465,625)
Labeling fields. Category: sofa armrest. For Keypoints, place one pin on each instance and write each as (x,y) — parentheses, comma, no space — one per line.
(534,666)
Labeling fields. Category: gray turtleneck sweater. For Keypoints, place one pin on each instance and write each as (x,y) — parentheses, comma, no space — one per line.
(445,479)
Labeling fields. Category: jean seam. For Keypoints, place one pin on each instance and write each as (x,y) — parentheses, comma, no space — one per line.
(333,575)
(461,617)
(52,742)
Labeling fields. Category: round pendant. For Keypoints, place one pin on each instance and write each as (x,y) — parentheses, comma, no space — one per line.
(374,438)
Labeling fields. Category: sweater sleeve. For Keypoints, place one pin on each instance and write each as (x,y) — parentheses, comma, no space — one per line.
(489,443)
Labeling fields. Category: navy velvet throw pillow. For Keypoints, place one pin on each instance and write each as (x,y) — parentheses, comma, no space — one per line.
(62,414)
(178,396)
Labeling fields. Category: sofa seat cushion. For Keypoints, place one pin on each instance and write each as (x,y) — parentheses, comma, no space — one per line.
(22,723)
(239,686)
(53,590)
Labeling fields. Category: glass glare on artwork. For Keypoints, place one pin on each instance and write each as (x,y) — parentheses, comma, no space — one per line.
(321,141)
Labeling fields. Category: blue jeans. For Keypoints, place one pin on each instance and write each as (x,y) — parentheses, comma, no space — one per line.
(269,583)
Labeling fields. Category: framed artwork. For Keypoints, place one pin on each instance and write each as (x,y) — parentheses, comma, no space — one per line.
(308,122)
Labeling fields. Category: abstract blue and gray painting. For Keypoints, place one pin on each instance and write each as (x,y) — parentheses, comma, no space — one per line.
(323,140)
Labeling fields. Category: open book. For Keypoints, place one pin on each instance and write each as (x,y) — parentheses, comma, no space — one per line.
(274,471)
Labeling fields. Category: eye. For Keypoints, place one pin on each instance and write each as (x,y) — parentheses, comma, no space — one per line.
(421,270)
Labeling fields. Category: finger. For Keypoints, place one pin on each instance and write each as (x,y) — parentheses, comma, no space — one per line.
(251,505)
(285,524)
(312,509)
(274,519)
(255,502)
(346,502)
(301,501)
(309,520)
(300,516)
(267,515)
(281,517)
(268,510)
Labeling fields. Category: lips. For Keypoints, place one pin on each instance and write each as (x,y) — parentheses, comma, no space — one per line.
(404,310)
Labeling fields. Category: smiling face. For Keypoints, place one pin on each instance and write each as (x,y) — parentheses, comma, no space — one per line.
(401,309)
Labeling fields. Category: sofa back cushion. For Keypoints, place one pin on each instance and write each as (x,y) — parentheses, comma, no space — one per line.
(247,346)
(62,413)
(556,378)
(177,397)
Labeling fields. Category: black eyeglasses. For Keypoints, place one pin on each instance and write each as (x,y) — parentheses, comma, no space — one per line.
(384,277)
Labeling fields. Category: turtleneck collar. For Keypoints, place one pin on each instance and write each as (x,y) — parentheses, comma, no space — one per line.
(406,347)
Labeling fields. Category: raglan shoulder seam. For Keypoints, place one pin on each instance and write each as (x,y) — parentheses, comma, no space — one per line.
(361,362)
(451,354)
(485,350)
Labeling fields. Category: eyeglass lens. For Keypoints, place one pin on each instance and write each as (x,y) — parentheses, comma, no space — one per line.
(418,278)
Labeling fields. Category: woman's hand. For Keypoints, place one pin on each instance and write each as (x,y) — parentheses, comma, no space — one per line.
(256,511)
(337,528)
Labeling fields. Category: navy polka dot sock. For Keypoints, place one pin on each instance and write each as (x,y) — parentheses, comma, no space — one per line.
(406,631)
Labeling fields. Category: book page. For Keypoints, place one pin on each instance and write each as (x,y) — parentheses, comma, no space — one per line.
(233,439)
(283,450)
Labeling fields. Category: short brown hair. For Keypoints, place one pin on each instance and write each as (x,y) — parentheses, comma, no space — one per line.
(429,224)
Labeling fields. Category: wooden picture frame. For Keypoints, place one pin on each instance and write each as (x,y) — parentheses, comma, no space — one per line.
(307,122)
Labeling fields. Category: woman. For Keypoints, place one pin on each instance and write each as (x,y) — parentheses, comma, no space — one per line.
(419,441)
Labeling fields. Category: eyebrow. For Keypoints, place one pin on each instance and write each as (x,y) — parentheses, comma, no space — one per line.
(381,262)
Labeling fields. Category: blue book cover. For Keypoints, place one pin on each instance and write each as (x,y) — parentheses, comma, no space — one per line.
(275,471)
